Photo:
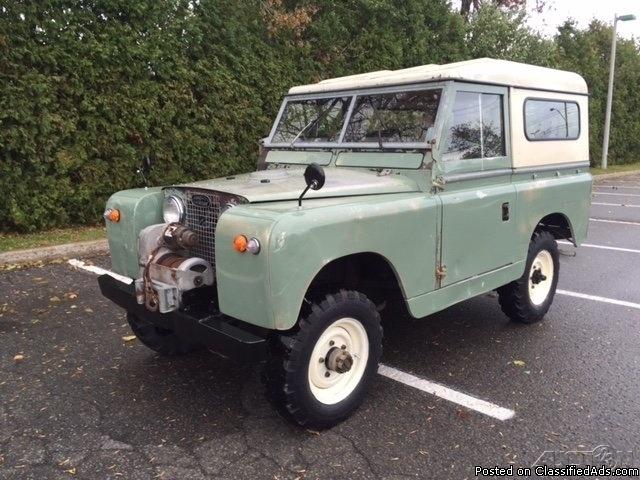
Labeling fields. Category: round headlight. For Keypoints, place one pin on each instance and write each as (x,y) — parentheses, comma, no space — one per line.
(173,209)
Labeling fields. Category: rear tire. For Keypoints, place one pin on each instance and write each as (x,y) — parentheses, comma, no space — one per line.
(528,299)
(161,340)
(302,378)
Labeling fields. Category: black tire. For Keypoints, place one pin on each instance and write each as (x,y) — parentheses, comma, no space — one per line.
(286,372)
(163,341)
(515,298)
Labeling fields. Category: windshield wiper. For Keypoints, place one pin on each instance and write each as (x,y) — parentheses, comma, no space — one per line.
(313,121)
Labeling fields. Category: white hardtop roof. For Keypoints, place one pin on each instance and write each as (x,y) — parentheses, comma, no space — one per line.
(482,70)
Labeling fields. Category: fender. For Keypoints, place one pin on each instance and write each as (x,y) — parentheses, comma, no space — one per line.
(299,242)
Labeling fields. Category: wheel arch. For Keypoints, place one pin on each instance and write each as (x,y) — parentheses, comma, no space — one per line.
(369,273)
(557,224)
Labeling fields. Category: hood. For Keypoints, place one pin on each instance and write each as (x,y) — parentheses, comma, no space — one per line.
(287,184)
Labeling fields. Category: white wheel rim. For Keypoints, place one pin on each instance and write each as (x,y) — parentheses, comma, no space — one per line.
(541,277)
(335,387)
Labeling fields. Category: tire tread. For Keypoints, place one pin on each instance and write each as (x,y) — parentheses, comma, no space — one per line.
(285,360)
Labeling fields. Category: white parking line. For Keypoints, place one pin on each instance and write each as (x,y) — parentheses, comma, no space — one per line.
(616,204)
(603,247)
(597,298)
(98,271)
(623,222)
(618,194)
(614,186)
(447,393)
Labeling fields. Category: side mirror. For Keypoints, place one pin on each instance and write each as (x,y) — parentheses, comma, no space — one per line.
(314,177)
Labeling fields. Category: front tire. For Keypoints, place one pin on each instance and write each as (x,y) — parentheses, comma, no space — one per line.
(528,299)
(160,340)
(320,374)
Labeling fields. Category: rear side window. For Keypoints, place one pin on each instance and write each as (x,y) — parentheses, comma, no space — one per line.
(477,127)
(551,120)
(402,117)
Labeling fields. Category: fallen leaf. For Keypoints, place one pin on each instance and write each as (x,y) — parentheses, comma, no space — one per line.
(129,338)
(88,310)
(519,363)
(18,358)
(71,471)
(54,299)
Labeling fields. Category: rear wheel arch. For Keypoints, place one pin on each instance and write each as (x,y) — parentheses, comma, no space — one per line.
(558,225)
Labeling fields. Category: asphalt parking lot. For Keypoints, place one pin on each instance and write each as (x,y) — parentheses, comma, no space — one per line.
(80,401)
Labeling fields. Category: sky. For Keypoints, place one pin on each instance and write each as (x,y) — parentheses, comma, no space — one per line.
(583,11)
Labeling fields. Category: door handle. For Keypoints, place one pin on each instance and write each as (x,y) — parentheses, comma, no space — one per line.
(505,212)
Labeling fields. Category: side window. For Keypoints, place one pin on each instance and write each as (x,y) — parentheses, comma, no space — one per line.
(551,120)
(477,127)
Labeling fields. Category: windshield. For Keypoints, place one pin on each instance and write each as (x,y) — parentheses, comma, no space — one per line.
(393,117)
(316,120)
(376,119)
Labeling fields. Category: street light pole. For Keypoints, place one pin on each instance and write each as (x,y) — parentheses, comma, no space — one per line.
(612,66)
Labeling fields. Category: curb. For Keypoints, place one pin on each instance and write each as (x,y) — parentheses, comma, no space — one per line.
(45,254)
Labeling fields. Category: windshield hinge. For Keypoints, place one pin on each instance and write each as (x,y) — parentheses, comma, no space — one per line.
(439,183)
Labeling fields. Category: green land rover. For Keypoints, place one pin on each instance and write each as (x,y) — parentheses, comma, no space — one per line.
(427,185)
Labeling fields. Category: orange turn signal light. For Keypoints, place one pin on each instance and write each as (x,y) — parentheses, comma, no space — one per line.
(240,243)
(112,214)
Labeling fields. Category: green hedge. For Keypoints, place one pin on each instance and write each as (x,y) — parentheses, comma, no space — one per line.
(89,88)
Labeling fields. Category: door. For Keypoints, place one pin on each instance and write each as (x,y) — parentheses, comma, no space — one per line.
(477,199)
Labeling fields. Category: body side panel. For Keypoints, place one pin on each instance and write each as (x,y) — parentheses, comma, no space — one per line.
(566,191)
(400,228)
(139,208)
(436,300)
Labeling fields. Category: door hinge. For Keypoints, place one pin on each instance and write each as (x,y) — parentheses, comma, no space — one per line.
(441,272)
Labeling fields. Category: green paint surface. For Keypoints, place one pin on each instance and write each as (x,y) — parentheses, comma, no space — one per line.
(139,208)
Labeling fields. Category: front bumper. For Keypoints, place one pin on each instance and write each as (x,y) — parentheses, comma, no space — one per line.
(225,335)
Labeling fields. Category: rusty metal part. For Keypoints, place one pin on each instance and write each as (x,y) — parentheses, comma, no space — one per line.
(176,236)
(339,360)
(172,260)
(441,273)
(150,296)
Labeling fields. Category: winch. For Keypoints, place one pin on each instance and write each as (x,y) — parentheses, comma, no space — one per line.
(166,270)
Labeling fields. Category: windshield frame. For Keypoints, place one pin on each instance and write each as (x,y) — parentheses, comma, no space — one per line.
(353,94)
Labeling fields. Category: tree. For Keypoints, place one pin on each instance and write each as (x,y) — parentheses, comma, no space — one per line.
(467,5)
(497,33)
(588,53)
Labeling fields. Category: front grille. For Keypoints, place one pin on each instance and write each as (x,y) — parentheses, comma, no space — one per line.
(202,213)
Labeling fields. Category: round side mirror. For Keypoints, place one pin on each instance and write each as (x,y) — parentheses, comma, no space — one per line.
(314,176)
